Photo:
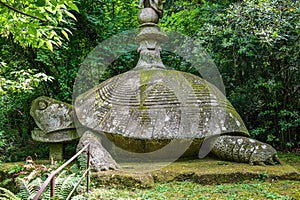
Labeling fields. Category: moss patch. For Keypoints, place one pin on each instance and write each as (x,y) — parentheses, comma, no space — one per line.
(7,179)
(9,171)
(189,190)
(205,171)
(122,180)
(292,159)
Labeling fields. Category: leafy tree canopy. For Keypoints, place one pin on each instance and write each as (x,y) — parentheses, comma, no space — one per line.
(36,23)
(255,44)
(31,24)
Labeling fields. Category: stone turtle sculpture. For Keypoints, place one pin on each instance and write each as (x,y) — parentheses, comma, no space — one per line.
(146,109)
(143,110)
(151,107)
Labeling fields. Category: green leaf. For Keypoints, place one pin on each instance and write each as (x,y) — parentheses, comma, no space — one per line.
(70,32)
(65,34)
(49,45)
(49,9)
(52,34)
(32,30)
(70,15)
(72,5)
(53,42)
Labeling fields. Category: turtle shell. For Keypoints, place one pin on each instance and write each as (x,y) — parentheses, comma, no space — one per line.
(158,104)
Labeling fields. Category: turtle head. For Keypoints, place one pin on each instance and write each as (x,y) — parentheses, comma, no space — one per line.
(52,115)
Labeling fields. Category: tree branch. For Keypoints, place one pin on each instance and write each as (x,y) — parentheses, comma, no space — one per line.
(20,12)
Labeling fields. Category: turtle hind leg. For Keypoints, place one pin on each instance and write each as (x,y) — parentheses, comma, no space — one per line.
(243,149)
(224,148)
(100,158)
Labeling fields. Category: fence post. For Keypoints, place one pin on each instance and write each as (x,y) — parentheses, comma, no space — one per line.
(51,177)
(52,192)
(88,172)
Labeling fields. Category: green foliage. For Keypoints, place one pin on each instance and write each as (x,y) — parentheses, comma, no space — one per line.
(30,177)
(22,81)
(15,129)
(16,169)
(26,26)
(17,72)
(255,44)
(265,38)
(64,183)
(28,190)
(7,195)
(36,23)
(20,75)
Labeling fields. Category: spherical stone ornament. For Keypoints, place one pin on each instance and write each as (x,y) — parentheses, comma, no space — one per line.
(148,15)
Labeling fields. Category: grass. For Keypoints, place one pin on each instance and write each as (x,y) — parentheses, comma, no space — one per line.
(189,190)
(292,159)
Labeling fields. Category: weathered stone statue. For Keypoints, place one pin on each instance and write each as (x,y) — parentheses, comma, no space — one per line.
(157,5)
(55,124)
(148,108)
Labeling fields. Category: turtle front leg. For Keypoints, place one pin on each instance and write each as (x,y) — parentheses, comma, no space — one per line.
(243,149)
(100,158)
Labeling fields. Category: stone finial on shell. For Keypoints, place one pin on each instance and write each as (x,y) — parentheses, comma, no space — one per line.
(156,5)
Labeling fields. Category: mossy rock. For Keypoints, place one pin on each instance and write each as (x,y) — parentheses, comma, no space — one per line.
(205,171)
(122,180)
(7,179)
(10,171)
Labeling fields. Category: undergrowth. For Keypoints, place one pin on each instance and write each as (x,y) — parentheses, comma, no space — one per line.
(189,190)
(261,188)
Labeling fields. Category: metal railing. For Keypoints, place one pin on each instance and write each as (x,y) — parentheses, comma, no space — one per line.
(51,177)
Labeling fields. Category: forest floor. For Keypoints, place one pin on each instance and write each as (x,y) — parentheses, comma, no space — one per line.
(255,189)
(292,159)
(262,186)
(200,179)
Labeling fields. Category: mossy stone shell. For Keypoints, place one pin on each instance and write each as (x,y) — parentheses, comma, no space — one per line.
(158,104)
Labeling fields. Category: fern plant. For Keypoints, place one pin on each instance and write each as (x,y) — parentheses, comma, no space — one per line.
(5,194)
(29,189)
(64,183)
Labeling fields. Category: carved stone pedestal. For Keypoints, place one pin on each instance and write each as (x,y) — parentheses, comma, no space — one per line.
(56,151)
